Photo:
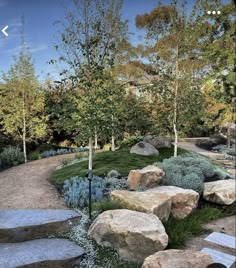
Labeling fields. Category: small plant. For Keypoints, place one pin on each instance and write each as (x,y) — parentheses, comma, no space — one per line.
(129,142)
(113,174)
(116,184)
(34,155)
(65,162)
(76,191)
(11,156)
(106,204)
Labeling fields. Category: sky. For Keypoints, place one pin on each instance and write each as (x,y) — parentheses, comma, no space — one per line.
(41,33)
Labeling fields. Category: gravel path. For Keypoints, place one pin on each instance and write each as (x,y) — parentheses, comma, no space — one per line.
(27,185)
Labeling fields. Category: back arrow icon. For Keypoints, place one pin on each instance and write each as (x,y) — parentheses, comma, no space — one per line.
(4,30)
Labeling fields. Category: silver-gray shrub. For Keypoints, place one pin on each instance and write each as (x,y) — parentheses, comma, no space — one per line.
(187,172)
(11,156)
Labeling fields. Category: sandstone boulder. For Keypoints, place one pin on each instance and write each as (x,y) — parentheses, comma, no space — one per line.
(220,192)
(144,148)
(149,202)
(178,259)
(148,177)
(183,200)
(135,235)
(158,142)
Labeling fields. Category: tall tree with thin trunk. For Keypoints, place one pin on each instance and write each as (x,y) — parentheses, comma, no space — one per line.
(89,45)
(172,49)
(21,100)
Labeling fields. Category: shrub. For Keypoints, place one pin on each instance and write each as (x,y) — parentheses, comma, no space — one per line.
(129,142)
(106,204)
(76,189)
(113,174)
(186,172)
(11,156)
(34,155)
(50,153)
(65,162)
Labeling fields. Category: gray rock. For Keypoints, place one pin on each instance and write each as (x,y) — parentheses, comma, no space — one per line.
(41,253)
(158,142)
(25,224)
(144,148)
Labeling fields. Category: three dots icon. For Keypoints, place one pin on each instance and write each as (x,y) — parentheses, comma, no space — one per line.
(213,12)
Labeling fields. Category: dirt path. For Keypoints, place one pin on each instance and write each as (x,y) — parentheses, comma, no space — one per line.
(27,185)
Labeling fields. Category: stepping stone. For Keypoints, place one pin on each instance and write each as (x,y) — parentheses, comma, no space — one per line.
(220,257)
(25,224)
(222,239)
(41,253)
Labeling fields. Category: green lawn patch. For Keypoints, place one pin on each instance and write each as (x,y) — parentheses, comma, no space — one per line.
(120,160)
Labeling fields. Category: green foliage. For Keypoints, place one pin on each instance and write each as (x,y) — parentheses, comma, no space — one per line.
(120,160)
(129,142)
(11,156)
(186,172)
(65,162)
(181,230)
(106,204)
(34,155)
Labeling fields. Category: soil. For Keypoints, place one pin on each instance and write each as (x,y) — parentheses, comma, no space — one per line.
(27,185)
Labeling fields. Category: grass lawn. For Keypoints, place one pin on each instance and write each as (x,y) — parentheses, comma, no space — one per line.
(120,160)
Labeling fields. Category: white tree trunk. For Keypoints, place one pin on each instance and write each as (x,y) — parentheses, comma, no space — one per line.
(24,130)
(228,134)
(175,102)
(113,143)
(96,141)
(90,165)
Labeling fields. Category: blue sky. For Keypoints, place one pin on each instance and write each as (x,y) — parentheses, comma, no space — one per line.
(40,33)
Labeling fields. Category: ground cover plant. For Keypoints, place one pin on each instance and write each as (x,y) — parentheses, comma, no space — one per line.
(120,160)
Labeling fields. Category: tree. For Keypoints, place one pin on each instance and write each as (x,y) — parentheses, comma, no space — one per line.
(90,40)
(217,41)
(173,50)
(22,101)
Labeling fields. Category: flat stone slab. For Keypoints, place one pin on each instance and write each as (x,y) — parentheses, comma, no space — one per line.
(148,202)
(222,239)
(220,257)
(25,224)
(41,253)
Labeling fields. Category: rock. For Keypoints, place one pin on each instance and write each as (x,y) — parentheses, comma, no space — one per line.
(183,200)
(26,224)
(135,235)
(149,202)
(144,148)
(158,142)
(220,192)
(232,171)
(178,259)
(148,177)
(40,253)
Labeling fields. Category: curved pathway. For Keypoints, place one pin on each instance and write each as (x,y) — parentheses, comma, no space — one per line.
(28,186)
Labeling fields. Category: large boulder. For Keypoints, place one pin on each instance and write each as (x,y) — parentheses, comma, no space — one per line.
(183,200)
(149,202)
(220,192)
(148,177)
(144,148)
(158,142)
(135,235)
(178,259)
